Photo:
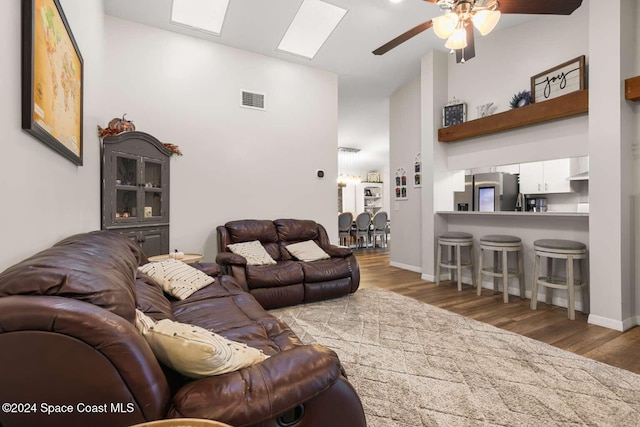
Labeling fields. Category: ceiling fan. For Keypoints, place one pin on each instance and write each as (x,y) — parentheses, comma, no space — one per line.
(460,16)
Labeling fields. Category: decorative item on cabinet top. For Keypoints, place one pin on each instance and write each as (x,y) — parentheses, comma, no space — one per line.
(118,125)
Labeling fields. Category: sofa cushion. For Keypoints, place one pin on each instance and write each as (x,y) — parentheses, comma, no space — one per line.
(253,252)
(150,298)
(264,231)
(294,231)
(238,317)
(326,269)
(97,267)
(281,274)
(194,351)
(307,251)
(177,278)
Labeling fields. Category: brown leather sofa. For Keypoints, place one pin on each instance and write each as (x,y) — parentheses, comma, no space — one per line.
(68,346)
(289,281)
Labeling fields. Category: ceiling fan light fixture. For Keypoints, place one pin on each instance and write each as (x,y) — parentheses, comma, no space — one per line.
(486,20)
(458,39)
(445,25)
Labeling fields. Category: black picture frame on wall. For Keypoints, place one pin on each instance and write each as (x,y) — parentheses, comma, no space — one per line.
(52,79)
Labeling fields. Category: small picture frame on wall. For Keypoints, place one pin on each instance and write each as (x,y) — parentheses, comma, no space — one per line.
(401,184)
(560,80)
(52,79)
(417,171)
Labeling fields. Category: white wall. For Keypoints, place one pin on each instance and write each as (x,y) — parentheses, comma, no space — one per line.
(504,63)
(404,129)
(238,163)
(45,197)
(611,166)
(636,154)
(363,122)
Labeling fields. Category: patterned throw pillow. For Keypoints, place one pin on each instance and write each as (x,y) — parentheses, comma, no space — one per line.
(307,251)
(253,251)
(194,351)
(176,278)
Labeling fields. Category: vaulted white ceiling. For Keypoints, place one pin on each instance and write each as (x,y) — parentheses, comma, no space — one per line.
(365,81)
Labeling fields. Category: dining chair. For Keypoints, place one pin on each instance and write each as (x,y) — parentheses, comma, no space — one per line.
(379,228)
(363,222)
(345,220)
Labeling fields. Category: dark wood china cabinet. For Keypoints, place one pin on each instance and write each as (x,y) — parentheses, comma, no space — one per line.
(135,189)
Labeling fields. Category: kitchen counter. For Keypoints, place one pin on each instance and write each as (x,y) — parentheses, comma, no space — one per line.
(516,214)
(529,226)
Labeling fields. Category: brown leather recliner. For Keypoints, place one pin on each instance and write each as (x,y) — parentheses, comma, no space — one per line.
(289,281)
(70,355)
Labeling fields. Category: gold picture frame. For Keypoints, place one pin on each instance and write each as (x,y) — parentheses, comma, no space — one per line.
(52,79)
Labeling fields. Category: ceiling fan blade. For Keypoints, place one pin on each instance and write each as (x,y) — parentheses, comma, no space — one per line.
(403,38)
(541,7)
(463,55)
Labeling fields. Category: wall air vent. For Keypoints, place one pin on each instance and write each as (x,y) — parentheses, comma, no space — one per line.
(253,100)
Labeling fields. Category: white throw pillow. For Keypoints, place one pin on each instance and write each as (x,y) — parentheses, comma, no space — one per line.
(176,278)
(254,252)
(307,251)
(194,351)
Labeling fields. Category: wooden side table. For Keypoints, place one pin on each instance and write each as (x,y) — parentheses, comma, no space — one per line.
(188,258)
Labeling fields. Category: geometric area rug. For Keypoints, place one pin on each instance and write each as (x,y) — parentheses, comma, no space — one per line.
(416,365)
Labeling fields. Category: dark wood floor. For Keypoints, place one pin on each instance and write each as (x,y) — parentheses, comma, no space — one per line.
(548,324)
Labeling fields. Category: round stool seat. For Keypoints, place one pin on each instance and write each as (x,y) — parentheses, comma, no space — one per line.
(500,238)
(559,244)
(453,235)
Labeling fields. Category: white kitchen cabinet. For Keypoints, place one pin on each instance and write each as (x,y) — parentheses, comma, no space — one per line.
(545,177)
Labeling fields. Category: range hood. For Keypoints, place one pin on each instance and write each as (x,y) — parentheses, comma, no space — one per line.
(584,176)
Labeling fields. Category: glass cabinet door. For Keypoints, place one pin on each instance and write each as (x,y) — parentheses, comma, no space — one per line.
(154,190)
(126,188)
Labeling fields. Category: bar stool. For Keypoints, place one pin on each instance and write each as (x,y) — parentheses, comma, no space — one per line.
(501,244)
(455,240)
(567,250)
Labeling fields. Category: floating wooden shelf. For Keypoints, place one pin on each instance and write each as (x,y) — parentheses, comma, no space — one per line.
(572,104)
(632,89)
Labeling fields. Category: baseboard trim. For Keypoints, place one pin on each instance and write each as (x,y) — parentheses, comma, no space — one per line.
(405,266)
(618,325)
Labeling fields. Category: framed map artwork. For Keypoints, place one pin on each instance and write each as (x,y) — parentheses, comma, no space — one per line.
(52,79)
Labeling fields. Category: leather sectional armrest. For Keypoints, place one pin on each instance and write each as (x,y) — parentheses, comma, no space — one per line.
(337,251)
(262,391)
(227,258)
(209,268)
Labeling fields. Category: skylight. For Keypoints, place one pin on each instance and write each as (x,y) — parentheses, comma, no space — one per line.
(311,27)
(203,15)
